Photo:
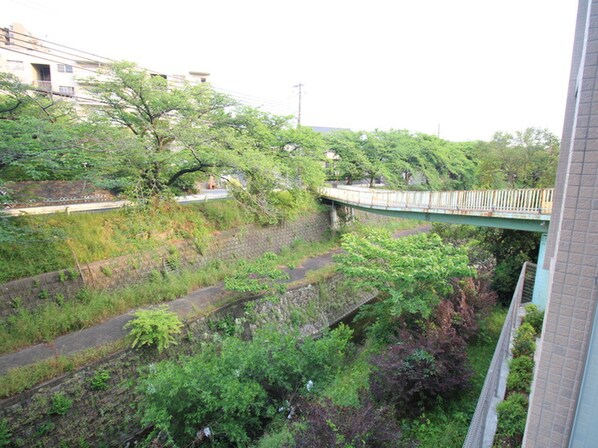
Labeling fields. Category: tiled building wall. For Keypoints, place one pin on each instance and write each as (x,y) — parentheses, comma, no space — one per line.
(574,249)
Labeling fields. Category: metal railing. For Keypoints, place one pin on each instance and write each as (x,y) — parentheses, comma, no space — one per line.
(532,200)
(490,391)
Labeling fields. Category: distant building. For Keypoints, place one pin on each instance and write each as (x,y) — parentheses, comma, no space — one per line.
(58,69)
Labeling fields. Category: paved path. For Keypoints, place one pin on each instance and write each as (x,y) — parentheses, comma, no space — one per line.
(112,329)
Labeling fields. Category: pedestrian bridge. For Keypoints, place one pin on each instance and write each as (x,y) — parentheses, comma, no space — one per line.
(527,209)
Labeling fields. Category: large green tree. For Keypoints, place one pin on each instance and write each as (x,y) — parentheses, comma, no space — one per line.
(523,159)
(179,131)
(41,136)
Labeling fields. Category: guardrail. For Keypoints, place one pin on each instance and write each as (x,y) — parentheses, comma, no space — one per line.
(107,205)
(478,435)
(532,200)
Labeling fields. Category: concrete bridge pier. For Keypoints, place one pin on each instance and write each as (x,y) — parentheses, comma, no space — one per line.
(341,215)
(540,295)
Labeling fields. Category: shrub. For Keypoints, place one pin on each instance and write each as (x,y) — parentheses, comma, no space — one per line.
(521,374)
(512,414)
(327,425)
(99,381)
(60,404)
(534,317)
(524,343)
(154,327)
(413,372)
(234,387)
(5,433)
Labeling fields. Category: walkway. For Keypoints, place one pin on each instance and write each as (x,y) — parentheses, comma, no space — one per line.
(527,209)
(112,330)
(208,195)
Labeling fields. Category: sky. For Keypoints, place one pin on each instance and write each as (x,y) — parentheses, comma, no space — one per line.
(462,69)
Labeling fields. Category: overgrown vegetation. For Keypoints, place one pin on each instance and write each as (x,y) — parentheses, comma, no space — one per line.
(156,328)
(328,392)
(512,412)
(53,242)
(91,307)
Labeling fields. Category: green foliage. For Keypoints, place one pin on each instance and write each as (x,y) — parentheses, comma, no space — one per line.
(401,158)
(5,433)
(524,342)
(233,386)
(411,273)
(521,373)
(99,380)
(154,328)
(512,414)
(60,404)
(261,276)
(534,317)
(524,159)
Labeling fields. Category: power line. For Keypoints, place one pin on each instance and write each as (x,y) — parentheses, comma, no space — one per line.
(61,45)
(46,59)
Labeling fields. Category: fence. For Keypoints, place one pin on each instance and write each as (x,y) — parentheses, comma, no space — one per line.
(532,200)
(490,391)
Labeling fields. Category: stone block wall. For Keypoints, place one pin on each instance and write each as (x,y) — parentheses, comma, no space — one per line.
(29,293)
(242,243)
(103,418)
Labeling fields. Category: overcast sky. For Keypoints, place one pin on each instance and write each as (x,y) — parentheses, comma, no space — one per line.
(468,67)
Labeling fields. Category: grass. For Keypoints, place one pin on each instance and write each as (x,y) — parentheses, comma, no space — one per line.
(58,241)
(93,307)
(447,423)
(22,378)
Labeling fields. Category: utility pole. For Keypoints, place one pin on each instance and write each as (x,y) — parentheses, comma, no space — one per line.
(299,86)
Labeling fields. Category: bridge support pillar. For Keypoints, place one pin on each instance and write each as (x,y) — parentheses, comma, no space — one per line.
(341,215)
(540,296)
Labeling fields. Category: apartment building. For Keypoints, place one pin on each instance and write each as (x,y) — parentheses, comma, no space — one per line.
(57,69)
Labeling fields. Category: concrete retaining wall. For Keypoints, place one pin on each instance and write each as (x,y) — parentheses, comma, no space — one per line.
(243,243)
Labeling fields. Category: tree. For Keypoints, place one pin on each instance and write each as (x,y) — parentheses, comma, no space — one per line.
(411,274)
(178,132)
(524,159)
(41,137)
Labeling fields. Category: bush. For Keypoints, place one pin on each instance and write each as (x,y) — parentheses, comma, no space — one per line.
(512,414)
(60,404)
(99,381)
(521,373)
(327,425)
(234,387)
(5,433)
(524,343)
(155,327)
(413,372)
(534,317)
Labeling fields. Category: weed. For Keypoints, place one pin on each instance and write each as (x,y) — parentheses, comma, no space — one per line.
(106,270)
(63,276)
(99,381)
(73,273)
(44,429)
(5,433)
(60,404)
(43,294)
(154,328)
(16,303)
(59,299)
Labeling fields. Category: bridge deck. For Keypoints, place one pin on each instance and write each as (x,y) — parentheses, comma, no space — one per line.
(528,204)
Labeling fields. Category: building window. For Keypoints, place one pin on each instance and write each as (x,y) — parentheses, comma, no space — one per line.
(65,68)
(15,65)
(66,90)
(203,79)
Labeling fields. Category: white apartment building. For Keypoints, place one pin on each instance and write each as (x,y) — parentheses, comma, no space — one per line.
(58,69)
